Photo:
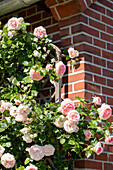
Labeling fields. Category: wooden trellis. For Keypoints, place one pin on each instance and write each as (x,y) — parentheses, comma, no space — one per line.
(57,92)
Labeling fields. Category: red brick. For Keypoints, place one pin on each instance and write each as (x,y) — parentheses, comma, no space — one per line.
(110,30)
(60,1)
(46,14)
(78,67)
(88,76)
(102,157)
(107,73)
(92,14)
(98,8)
(88,95)
(107,20)
(108,91)
(73,20)
(72,96)
(64,32)
(96,24)
(99,43)
(92,87)
(82,4)
(106,3)
(67,9)
(66,88)
(34,18)
(81,38)
(108,166)
(66,42)
(109,64)
(88,2)
(54,13)
(90,31)
(109,100)
(31,11)
(108,148)
(107,55)
(111,157)
(88,164)
(73,78)
(109,13)
(93,69)
(52,29)
(79,86)
(110,47)
(99,61)
(56,37)
(91,49)
(22,14)
(109,82)
(100,80)
(50,3)
(107,37)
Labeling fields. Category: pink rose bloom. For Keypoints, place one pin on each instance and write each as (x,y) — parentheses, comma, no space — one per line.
(18,102)
(31,167)
(23,110)
(105,111)
(60,68)
(70,127)
(97,100)
(5,106)
(35,75)
(98,148)
(67,105)
(40,32)
(21,20)
(109,140)
(13,24)
(8,160)
(60,121)
(73,116)
(60,110)
(36,152)
(73,53)
(13,111)
(87,134)
(2,149)
(48,67)
(49,150)
(20,118)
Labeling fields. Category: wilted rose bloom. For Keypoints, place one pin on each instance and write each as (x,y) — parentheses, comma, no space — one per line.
(13,111)
(18,102)
(24,130)
(13,24)
(40,32)
(70,127)
(5,106)
(87,134)
(31,167)
(109,140)
(73,53)
(60,68)
(20,118)
(2,149)
(105,111)
(35,75)
(67,105)
(48,67)
(27,138)
(98,148)
(1,33)
(49,150)
(97,100)
(8,160)
(60,121)
(23,110)
(36,53)
(73,116)
(36,152)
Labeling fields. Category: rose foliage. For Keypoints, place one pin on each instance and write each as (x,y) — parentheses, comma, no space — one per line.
(47,136)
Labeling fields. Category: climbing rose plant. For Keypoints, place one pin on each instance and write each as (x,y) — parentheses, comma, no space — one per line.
(47,136)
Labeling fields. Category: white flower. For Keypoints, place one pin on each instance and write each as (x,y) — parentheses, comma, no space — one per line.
(24,130)
(36,53)
(8,160)
(20,118)
(36,152)
(49,150)
(73,53)
(31,167)
(13,111)
(23,110)
(2,149)
(60,121)
(70,128)
(27,138)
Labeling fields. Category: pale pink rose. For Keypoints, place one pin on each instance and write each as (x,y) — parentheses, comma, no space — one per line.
(109,140)
(70,127)
(35,75)
(97,100)
(105,111)
(11,33)
(87,134)
(73,53)
(2,149)
(33,135)
(27,138)
(13,111)
(5,106)
(40,32)
(31,167)
(1,34)
(24,130)
(73,116)
(23,110)
(36,152)
(20,118)
(13,24)
(8,160)
(49,150)
(98,148)
(67,105)
(21,20)
(49,67)
(60,68)
(18,102)
(60,121)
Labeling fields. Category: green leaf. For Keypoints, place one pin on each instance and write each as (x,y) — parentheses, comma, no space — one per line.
(2,129)
(25,63)
(27,79)
(15,81)
(88,154)
(71,142)
(21,168)
(72,63)
(27,160)
(62,141)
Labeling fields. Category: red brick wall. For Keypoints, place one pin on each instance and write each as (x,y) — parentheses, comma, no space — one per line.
(86,25)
